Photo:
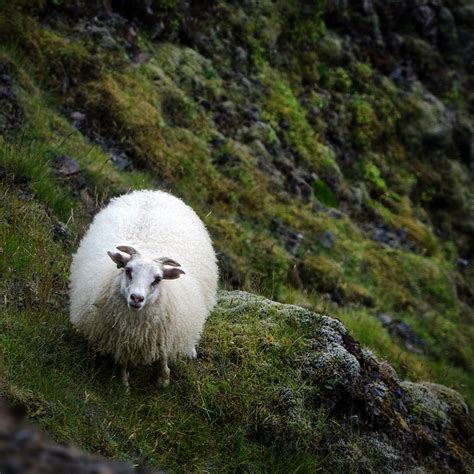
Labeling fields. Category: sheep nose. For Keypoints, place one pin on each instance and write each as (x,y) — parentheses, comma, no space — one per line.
(136,298)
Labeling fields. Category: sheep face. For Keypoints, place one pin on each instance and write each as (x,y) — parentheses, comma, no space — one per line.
(141,276)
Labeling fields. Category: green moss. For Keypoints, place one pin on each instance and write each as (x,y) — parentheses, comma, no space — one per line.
(338,79)
(367,127)
(284,105)
(363,72)
(324,194)
(373,176)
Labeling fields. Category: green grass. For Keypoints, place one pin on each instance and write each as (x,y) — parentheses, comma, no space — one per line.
(212,416)
(223,412)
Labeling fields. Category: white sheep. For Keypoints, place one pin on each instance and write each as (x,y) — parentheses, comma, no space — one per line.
(139,304)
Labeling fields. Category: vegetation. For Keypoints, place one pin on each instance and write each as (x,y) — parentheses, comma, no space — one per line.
(324,182)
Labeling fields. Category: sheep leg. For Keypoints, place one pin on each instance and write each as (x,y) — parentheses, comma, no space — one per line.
(193,354)
(164,377)
(124,376)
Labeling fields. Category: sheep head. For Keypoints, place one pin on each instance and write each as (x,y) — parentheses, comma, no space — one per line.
(141,276)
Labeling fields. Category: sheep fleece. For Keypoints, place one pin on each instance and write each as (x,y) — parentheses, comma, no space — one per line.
(158,225)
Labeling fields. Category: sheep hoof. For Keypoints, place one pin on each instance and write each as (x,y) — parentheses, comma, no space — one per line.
(163,382)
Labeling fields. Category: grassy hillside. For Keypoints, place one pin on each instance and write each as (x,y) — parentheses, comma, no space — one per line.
(331,168)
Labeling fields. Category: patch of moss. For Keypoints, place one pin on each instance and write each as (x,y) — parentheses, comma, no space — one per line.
(284,105)
(367,127)
(373,176)
(324,193)
(321,273)
(337,79)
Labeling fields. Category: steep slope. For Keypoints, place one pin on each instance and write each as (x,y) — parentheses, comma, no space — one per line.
(328,148)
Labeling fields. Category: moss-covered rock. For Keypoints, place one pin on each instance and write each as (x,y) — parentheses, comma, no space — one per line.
(433,404)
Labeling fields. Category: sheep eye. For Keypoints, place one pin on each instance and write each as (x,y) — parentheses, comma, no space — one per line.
(128,272)
(156,281)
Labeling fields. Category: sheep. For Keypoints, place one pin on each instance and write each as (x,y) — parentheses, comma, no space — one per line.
(149,301)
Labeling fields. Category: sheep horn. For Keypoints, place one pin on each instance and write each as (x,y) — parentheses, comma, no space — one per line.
(170,262)
(126,249)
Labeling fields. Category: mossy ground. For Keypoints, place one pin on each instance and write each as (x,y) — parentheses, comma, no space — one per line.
(164,115)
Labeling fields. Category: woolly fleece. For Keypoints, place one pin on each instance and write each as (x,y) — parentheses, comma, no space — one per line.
(157,224)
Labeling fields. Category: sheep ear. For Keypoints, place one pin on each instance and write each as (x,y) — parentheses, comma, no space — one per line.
(172,273)
(119,259)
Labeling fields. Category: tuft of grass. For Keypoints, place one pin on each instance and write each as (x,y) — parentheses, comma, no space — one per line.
(29,163)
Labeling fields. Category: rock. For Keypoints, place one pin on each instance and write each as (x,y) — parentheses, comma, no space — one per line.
(229,108)
(327,239)
(120,160)
(130,35)
(406,423)
(292,239)
(336,214)
(405,333)
(297,182)
(70,172)
(357,196)
(67,166)
(385,319)
(394,238)
(332,366)
(433,405)
(299,187)
(266,165)
(103,36)
(61,231)
(424,16)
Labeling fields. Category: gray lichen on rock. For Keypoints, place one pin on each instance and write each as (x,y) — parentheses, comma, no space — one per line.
(433,404)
